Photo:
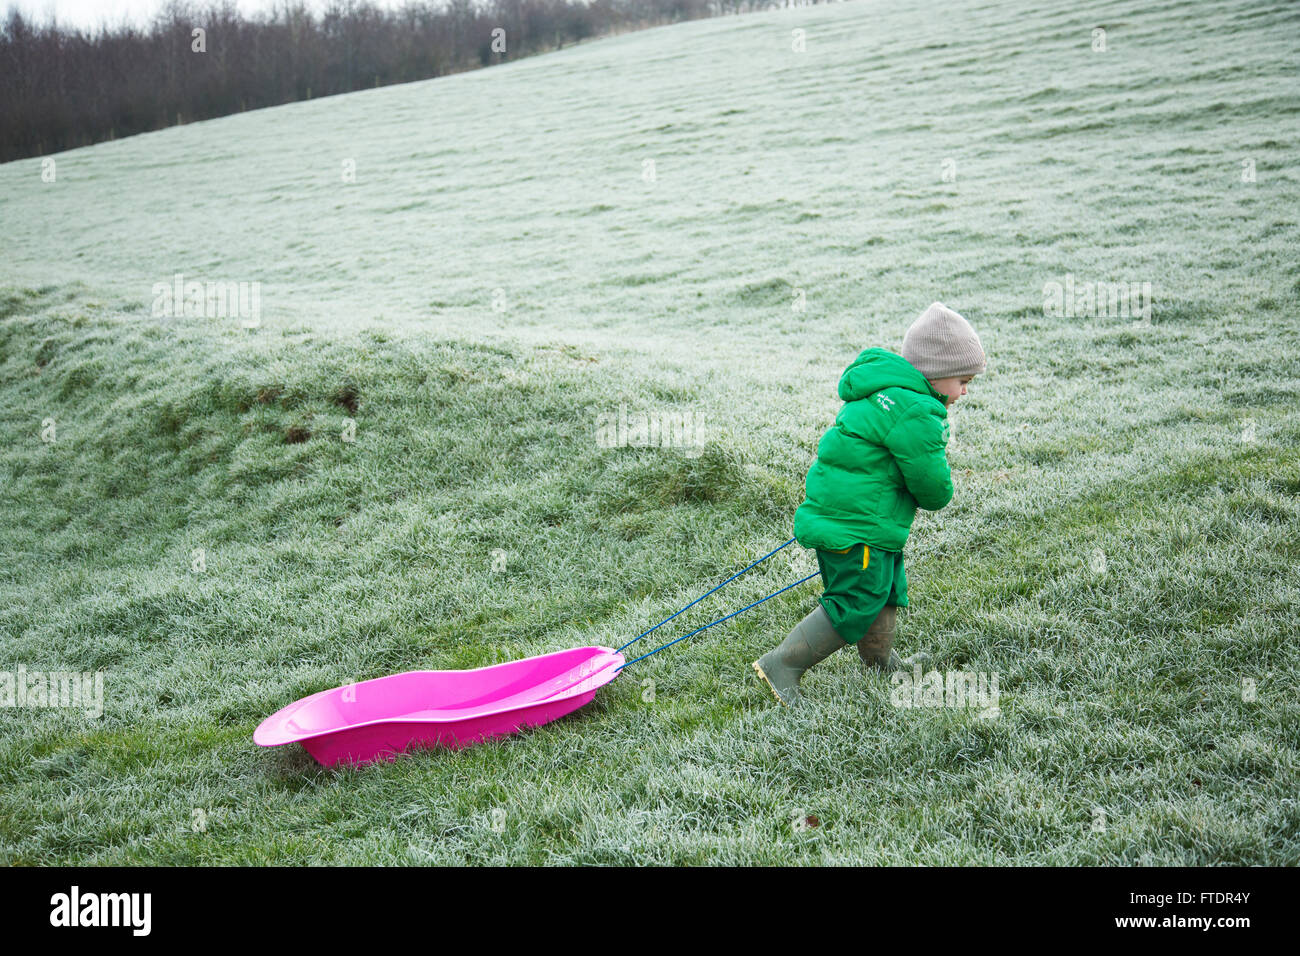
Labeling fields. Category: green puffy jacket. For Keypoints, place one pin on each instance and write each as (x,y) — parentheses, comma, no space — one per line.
(884,456)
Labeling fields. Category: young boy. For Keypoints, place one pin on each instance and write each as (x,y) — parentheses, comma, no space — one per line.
(884,456)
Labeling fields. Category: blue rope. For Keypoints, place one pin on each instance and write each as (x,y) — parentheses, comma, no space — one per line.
(702,597)
(721,619)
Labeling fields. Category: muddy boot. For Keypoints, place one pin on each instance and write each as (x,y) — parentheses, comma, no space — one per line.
(812,640)
(877,646)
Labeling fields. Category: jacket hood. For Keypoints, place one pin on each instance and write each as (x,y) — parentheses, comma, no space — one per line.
(875,369)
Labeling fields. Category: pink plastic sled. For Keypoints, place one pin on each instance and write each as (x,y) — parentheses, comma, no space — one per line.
(378,719)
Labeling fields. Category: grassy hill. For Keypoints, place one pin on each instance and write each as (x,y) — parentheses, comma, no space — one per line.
(503,272)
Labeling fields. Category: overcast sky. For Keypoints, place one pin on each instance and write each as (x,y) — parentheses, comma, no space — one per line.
(91,13)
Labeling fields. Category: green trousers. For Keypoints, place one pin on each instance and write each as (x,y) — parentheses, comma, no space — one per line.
(857,583)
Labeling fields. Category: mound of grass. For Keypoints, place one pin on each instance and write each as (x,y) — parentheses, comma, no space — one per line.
(223,523)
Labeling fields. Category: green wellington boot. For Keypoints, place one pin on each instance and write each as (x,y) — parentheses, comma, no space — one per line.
(877,646)
(813,639)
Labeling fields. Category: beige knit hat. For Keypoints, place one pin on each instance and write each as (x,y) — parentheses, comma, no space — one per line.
(941,344)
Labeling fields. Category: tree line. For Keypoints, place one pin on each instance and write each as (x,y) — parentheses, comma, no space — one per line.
(61,88)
